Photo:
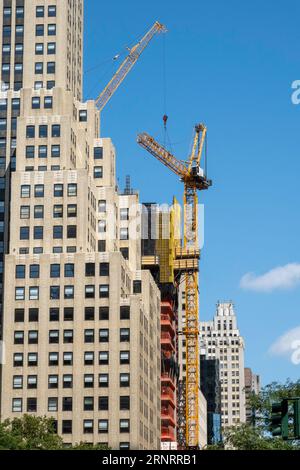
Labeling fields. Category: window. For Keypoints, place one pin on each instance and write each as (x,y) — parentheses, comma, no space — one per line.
(38,212)
(56,130)
(69,270)
(51,29)
(54,292)
(33,315)
(68,314)
(103,404)
(25,191)
(19,337)
(124,335)
(19,30)
(58,190)
(31,405)
(36,102)
(69,292)
(124,403)
(101,226)
(71,231)
(88,381)
(137,287)
(124,357)
(124,234)
(104,269)
(52,11)
(58,212)
(101,246)
(39,190)
(20,293)
(53,359)
(20,271)
(54,314)
(124,214)
(98,172)
(88,426)
(19,315)
(89,313)
(32,359)
(50,84)
(67,404)
(19,12)
(103,380)
(90,269)
(51,48)
(89,336)
(17,405)
(53,404)
(39,48)
(33,337)
(124,446)
(38,233)
(103,358)
(90,292)
(17,382)
(98,153)
(124,380)
(18,360)
(39,30)
(125,312)
(32,382)
(53,336)
(88,358)
(40,12)
(72,210)
(102,206)
(29,151)
(43,131)
(68,336)
(30,132)
(48,102)
(51,69)
(68,359)
(103,313)
(72,190)
(83,115)
(88,404)
(57,232)
(104,291)
(124,425)
(67,427)
(68,381)
(103,426)
(55,270)
(39,68)
(38,85)
(55,151)
(34,271)
(103,336)
(43,151)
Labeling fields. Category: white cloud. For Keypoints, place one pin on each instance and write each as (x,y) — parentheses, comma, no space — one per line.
(287,343)
(282,277)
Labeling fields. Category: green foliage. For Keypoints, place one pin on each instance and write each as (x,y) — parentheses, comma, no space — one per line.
(35,433)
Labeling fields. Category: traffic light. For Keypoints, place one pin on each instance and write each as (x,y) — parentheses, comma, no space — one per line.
(280,419)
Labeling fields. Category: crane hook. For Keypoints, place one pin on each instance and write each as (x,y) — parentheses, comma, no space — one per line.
(165,119)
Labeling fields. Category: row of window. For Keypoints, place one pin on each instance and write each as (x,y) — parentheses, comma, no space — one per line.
(69,292)
(55,270)
(39,68)
(38,231)
(58,190)
(68,336)
(50,28)
(15,104)
(7,12)
(7,30)
(40,11)
(43,131)
(68,314)
(58,212)
(89,357)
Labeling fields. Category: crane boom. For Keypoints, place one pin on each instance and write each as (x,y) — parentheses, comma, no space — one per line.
(194,179)
(133,56)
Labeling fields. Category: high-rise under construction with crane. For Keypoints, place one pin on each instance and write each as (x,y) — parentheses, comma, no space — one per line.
(81,318)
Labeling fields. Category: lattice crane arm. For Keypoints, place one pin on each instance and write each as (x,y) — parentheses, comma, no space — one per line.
(161,154)
(133,56)
(198,145)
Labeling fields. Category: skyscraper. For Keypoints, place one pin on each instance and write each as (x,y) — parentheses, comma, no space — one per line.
(81,319)
(252,387)
(221,340)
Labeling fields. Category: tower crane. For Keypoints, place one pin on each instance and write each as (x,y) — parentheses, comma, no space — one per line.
(194,179)
(133,56)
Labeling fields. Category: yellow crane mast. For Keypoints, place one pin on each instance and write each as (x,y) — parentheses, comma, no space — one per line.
(122,72)
(194,179)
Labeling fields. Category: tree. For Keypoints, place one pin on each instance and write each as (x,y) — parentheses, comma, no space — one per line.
(257,436)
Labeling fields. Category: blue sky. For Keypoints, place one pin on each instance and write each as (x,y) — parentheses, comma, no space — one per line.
(231,65)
